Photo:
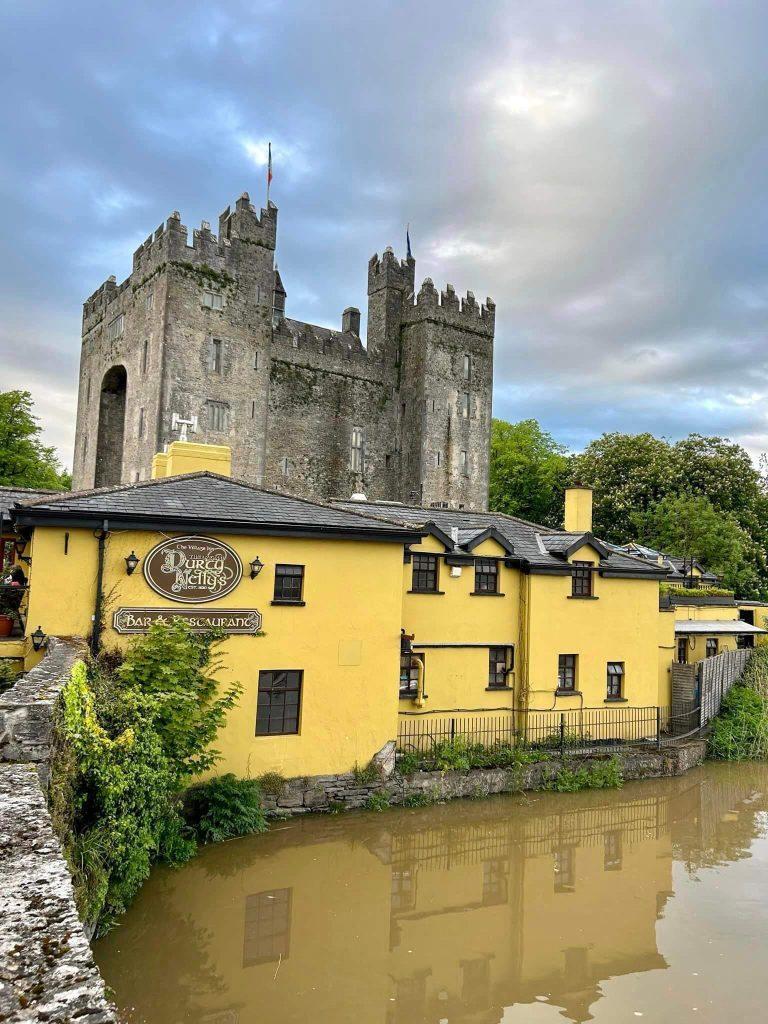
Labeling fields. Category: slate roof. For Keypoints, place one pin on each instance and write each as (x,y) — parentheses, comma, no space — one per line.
(324,335)
(10,495)
(207,500)
(674,564)
(730,627)
(538,546)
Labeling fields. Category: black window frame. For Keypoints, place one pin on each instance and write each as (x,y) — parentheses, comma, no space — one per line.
(267,926)
(286,590)
(494,660)
(425,577)
(269,710)
(581,579)
(682,648)
(714,643)
(614,680)
(486,576)
(409,674)
(567,667)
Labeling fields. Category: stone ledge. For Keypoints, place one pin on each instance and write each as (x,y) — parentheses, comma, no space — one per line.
(47,972)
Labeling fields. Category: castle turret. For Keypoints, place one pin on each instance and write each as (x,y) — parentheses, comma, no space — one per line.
(390,286)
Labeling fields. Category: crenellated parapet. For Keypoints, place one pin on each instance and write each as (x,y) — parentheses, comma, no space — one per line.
(390,272)
(447,308)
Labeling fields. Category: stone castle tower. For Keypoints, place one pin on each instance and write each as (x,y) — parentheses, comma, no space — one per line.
(198,333)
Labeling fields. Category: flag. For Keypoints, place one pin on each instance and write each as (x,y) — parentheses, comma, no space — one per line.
(269,167)
(408,241)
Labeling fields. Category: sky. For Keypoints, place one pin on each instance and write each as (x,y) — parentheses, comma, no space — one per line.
(597,168)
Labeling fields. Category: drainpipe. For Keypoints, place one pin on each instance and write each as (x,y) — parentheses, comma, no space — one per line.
(98,607)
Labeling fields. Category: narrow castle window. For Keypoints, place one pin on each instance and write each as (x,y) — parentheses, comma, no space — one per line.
(356,453)
(437,459)
(213,300)
(85,446)
(88,390)
(463,463)
(467,370)
(253,409)
(115,328)
(141,422)
(255,360)
(285,467)
(214,355)
(218,416)
(149,301)
(465,405)
(145,356)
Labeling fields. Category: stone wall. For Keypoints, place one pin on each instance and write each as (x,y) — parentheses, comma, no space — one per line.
(353,790)
(47,972)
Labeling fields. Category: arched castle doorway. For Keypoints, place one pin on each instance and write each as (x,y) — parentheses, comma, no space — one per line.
(109,443)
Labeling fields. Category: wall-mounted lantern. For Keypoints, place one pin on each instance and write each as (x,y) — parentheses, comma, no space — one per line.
(20,543)
(39,639)
(256,566)
(131,561)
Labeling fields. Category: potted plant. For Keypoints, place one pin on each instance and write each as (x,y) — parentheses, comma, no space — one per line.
(11,595)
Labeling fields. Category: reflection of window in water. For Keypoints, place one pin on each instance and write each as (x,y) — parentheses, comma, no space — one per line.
(612,851)
(403,889)
(267,926)
(476,981)
(410,997)
(494,882)
(565,869)
(576,964)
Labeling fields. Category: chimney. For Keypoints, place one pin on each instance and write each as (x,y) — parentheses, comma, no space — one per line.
(578,509)
(350,321)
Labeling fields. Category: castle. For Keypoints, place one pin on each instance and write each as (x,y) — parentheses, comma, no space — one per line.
(196,343)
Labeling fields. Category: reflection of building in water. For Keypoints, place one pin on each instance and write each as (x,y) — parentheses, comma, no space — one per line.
(446,913)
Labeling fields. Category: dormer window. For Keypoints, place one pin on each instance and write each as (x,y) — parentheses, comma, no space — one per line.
(581,580)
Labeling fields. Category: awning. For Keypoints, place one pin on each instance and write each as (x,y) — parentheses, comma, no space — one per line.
(728,627)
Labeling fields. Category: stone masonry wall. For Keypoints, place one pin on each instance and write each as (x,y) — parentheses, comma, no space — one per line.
(47,971)
(351,791)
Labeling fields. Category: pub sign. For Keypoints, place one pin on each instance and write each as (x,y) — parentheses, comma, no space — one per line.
(192,570)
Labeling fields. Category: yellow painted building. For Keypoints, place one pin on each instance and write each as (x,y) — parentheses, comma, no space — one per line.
(354,623)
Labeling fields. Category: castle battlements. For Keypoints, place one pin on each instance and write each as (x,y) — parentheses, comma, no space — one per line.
(445,307)
(390,272)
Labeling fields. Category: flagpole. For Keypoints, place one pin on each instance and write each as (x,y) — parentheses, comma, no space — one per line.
(269,170)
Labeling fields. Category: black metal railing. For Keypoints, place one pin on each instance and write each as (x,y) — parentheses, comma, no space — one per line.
(559,731)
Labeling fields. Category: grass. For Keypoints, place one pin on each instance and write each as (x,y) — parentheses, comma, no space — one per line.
(740,731)
(596,775)
(461,755)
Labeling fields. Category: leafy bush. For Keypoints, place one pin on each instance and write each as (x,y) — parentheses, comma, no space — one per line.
(377,802)
(271,783)
(9,673)
(419,799)
(366,776)
(130,736)
(224,808)
(461,755)
(596,775)
(740,731)
(683,592)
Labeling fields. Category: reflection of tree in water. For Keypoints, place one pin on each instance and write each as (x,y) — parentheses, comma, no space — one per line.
(716,820)
(161,960)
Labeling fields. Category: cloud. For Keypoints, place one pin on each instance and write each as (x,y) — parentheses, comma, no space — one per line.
(597,169)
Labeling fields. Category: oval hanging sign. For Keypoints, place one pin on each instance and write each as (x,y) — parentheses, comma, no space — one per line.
(192,569)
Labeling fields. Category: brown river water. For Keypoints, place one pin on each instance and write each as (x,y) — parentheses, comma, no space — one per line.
(643,904)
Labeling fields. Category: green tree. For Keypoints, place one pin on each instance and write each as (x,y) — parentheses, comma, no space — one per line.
(24,460)
(528,472)
(691,527)
(629,473)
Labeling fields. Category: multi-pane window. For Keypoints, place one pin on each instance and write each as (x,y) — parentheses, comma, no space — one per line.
(215,348)
(115,328)
(565,869)
(145,356)
(615,680)
(713,645)
(566,671)
(682,650)
(267,926)
(499,665)
(463,463)
(581,584)
(356,450)
(213,300)
(279,702)
(409,673)
(464,405)
(467,367)
(486,576)
(425,572)
(218,416)
(149,300)
(612,851)
(745,642)
(289,583)
(403,891)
